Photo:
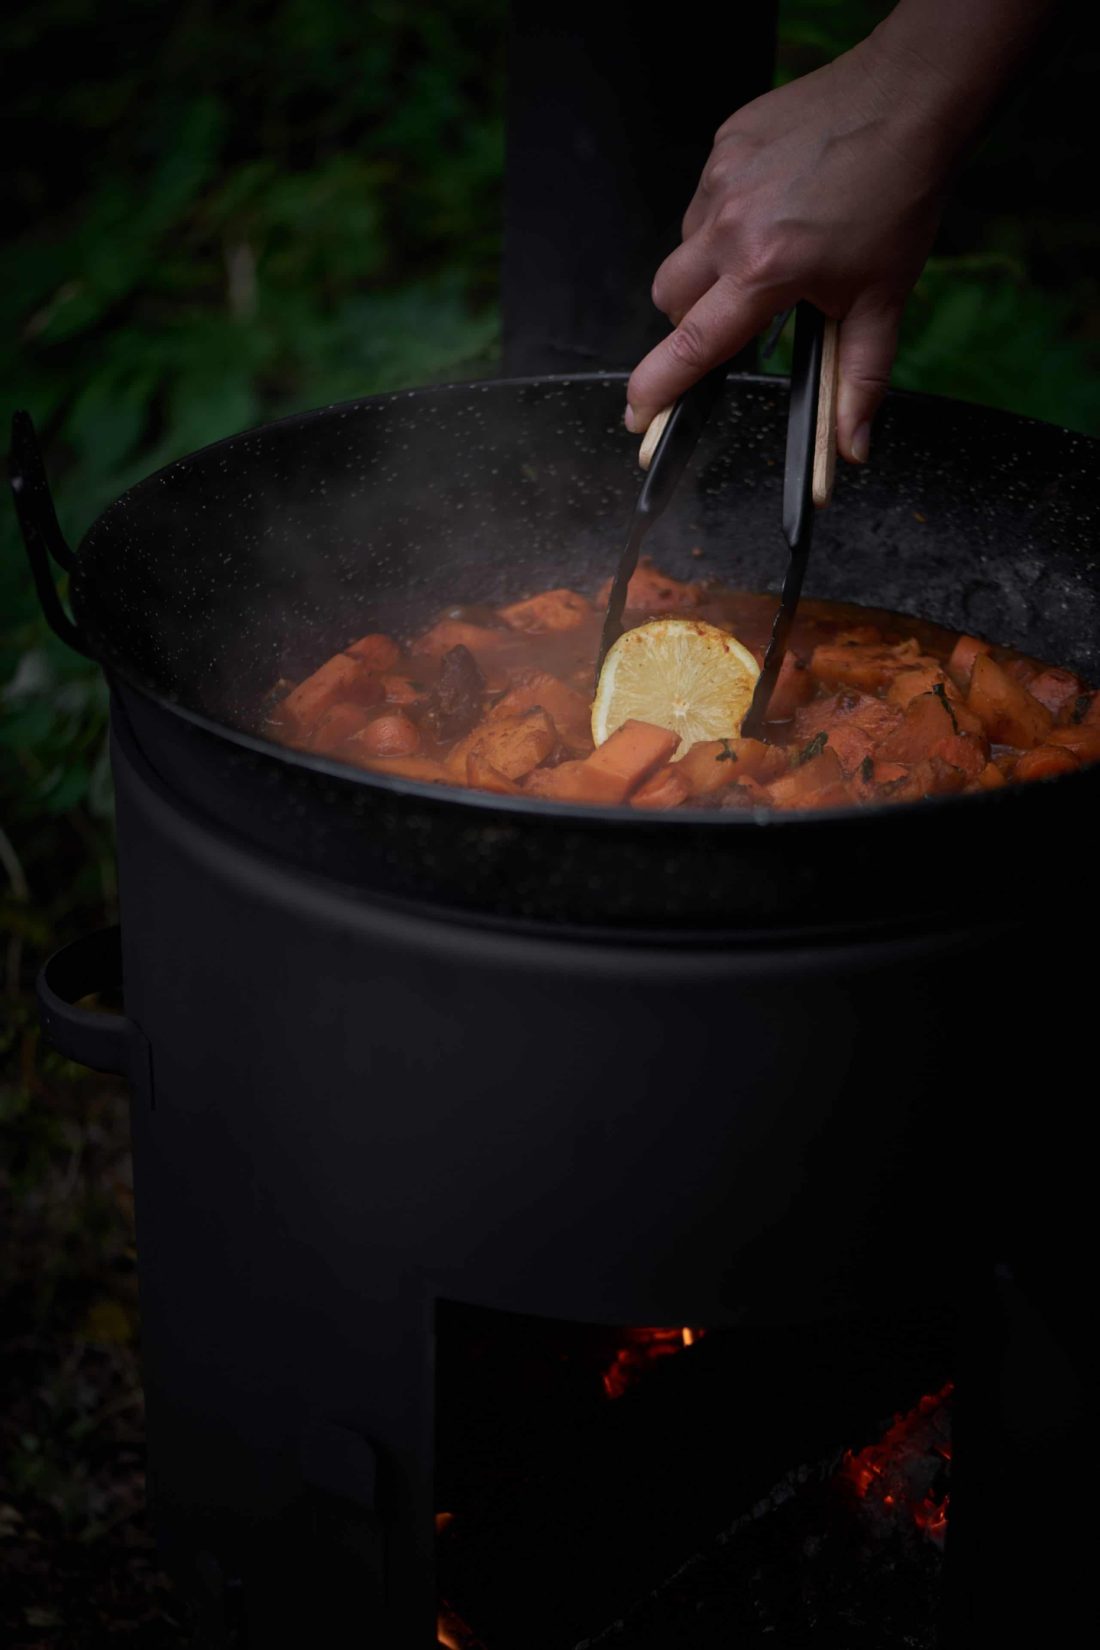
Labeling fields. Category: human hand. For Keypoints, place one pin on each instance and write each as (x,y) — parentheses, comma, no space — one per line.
(826,189)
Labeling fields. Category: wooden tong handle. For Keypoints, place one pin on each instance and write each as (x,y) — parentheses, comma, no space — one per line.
(825,434)
(654,433)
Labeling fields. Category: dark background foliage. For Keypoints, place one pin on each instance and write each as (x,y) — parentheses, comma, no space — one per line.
(217,214)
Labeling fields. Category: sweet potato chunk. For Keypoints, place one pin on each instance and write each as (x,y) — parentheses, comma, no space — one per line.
(633,752)
(575,782)
(666,789)
(715,763)
(864,665)
(339,679)
(377,652)
(854,723)
(794,686)
(908,685)
(1083,740)
(1044,761)
(961,662)
(393,735)
(818,783)
(337,728)
(931,726)
(424,768)
(553,610)
(651,591)
(1008,713)
(1056,689)
(448,633)
(512,744)
(568,708)
(484,777)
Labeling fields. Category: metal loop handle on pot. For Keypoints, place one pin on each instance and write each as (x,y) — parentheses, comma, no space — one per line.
(91,1037)
(40,528)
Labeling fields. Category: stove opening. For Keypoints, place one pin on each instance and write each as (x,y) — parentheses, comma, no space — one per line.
(633,1487)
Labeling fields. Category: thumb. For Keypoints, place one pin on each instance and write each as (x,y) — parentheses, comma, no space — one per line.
(868,344)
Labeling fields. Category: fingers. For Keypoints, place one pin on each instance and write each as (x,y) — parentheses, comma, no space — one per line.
(868,344)
(683,278)
(715,328)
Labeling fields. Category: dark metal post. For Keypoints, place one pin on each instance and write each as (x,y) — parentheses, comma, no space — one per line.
(612,110)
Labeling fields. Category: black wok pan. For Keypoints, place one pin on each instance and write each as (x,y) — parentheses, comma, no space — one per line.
(261,555)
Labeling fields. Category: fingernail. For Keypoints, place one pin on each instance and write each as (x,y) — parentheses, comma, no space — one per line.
(629,419)
(861,443)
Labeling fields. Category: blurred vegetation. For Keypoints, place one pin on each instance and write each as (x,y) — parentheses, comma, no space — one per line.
(217,215)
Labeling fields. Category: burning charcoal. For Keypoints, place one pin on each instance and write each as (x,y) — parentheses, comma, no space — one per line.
(456,703)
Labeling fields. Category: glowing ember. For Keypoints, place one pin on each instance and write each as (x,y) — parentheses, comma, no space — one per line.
(641,1349)
(452,1631)
(902,1472)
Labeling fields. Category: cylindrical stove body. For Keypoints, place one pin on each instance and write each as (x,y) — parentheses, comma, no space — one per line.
(356,1109)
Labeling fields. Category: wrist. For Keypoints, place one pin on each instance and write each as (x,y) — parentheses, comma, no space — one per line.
(939,68)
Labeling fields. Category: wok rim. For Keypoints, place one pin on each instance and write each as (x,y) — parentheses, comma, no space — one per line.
(773,820)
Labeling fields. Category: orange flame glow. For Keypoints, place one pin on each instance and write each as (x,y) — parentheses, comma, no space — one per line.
(641,1349)
(881,1473)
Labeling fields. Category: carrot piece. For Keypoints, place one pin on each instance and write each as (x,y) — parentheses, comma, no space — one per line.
(1044,761)
(991,778)
(794,686)
(1008,713)
(337,728)
(513,744)
(1083,740)
(666,789)
(651,591)
(484,777)
(1056,689)
(553,610)
(568,708)
(961,662)
(633,752)
(339,678)
(394,735)
(818,783)
(377,652)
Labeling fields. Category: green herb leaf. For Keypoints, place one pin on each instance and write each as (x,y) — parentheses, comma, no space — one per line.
(941,694)
(867,770)
(814,748)
(725,754)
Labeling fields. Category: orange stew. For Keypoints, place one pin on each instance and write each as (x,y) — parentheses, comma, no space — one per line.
(869,707)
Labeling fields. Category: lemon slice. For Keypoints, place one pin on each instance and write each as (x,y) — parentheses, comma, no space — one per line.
(680,674)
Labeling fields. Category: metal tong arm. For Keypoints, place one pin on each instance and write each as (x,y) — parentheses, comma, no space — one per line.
(807,481)
(666,448)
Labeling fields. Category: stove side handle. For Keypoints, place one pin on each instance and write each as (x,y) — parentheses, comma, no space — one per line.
(104,1040)
(41,531)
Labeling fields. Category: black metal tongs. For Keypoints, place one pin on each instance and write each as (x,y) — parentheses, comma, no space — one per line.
(807,482)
